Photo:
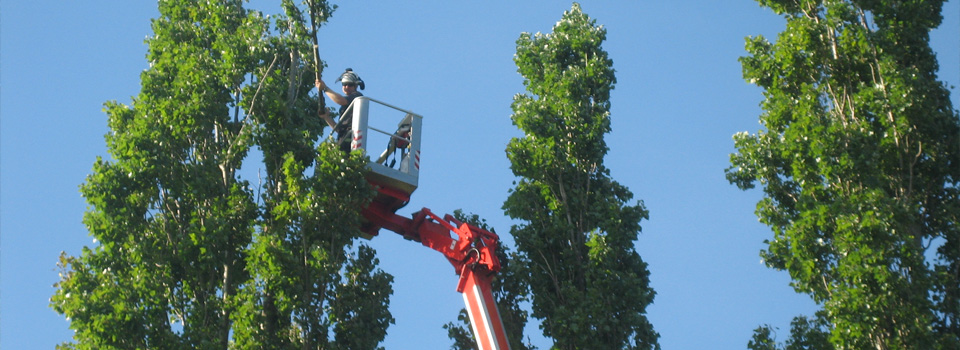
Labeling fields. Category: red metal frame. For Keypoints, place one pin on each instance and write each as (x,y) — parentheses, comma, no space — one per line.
(472,254)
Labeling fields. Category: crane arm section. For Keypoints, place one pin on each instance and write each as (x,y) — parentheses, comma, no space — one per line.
(472,254)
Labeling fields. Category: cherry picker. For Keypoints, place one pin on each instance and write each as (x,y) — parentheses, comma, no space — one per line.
(471,252)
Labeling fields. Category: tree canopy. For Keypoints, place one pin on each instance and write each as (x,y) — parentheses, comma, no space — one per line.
(577,229)
(859,162)
(189,255)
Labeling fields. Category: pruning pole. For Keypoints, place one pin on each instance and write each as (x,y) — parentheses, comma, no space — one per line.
(318,71)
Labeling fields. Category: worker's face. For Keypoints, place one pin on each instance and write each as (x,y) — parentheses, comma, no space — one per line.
(349,88)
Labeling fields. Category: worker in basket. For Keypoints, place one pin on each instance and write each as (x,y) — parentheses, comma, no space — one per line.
(350,81)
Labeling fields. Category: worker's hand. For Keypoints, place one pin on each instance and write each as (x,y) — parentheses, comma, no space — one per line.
(320,85)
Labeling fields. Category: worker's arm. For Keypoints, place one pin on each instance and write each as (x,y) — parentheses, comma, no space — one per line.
(326,117)
(333,95)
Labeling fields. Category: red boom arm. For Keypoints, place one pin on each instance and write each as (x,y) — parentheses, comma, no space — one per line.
(472,255)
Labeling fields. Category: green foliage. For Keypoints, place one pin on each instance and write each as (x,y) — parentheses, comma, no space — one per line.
(169,213)
(762,339)
(307,287)
(805,334)
(576,240)
(809,334)
(188,257)
(859,164)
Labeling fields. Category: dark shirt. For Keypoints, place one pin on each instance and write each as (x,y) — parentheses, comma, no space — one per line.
(343,125)
(349,98)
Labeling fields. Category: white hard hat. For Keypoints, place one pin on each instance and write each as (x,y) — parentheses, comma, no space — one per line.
(349,77)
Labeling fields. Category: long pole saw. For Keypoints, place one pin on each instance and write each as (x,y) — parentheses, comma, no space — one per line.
(318,71)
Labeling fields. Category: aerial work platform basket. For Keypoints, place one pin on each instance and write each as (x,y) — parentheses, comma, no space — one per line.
(395,174)
(390,139)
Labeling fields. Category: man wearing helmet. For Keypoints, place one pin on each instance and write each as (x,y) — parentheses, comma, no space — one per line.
(350,82)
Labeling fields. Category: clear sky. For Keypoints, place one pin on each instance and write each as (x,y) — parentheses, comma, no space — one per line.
(679,99)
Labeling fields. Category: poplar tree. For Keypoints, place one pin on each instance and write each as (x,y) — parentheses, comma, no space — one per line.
(589,286)
(312,286)
(859,162)
(187,256)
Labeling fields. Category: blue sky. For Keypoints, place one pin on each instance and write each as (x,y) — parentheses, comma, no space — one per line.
(679,99)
